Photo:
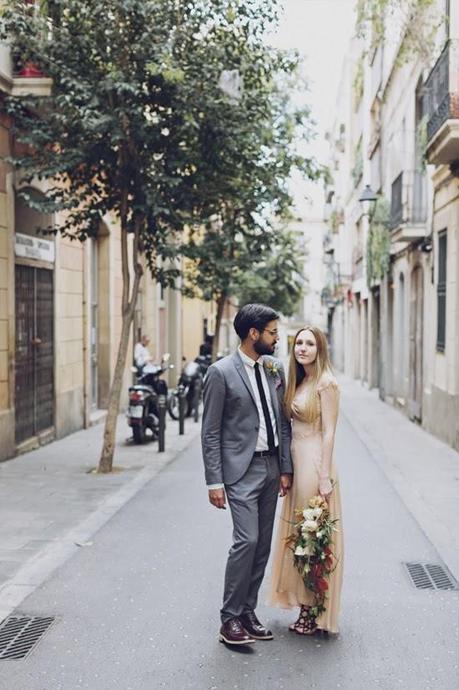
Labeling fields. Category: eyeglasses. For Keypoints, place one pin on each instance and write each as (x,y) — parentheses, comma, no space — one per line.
(273,333)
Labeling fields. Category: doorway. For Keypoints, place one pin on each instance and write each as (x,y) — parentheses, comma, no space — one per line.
(34,389)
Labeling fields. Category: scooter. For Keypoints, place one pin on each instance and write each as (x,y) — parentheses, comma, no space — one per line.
(190,387)
(143,410)
(204,362)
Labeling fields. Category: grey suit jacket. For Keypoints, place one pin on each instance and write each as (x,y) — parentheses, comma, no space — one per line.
(230,421)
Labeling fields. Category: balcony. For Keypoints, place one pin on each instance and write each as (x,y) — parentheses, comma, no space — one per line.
(408,208)
(441,105)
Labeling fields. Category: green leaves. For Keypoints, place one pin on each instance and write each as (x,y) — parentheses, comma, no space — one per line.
(138,127)
(278,279)
(378,243)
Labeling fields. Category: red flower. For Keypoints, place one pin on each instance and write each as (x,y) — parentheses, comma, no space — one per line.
(322,585)
(317,570)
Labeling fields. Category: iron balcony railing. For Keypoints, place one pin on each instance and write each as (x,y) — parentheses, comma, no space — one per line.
(408,199)
(441,90)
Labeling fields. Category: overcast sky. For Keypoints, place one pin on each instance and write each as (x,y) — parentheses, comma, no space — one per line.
(320,30)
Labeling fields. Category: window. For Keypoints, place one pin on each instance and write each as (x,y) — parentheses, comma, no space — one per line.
(441,292)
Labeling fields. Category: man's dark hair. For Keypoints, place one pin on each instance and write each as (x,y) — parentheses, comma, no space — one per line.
(253,316)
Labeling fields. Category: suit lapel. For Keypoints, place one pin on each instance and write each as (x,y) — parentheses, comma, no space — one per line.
(240,368)
(274,398)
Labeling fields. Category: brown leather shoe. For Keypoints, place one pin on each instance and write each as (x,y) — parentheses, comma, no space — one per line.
(254,627)
(232,632)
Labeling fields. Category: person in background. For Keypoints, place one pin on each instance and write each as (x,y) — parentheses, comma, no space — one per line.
(205,349)
(141,353)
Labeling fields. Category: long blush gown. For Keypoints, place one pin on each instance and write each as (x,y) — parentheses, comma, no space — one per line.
(287,587)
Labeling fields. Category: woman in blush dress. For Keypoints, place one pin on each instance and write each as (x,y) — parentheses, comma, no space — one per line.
(312,402)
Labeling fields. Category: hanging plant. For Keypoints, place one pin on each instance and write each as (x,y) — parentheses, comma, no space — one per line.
(378,243)
(358,81)
(357,170)
(421,144)
(418,20)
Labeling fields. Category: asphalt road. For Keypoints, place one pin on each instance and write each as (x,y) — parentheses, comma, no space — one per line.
(138,609)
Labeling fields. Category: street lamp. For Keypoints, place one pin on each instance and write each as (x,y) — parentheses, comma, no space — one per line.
(367,199)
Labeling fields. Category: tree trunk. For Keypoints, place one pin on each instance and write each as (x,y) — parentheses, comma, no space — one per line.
(108,448)
(221,301)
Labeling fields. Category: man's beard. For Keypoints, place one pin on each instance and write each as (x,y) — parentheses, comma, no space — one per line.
(262,348)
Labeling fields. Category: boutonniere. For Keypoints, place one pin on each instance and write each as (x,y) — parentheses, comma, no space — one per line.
(272,368)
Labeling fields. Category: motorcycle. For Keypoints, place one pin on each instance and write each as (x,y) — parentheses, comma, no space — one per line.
(143,410)
(190,387)
(204,362)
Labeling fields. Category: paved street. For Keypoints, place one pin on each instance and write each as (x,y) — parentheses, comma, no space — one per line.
(138,609)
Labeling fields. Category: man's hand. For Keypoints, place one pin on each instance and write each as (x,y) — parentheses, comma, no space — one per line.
(285,484)
(217,498)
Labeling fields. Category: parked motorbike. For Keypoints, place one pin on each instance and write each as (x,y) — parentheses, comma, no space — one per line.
(143,411)
(204,362)
(190,387)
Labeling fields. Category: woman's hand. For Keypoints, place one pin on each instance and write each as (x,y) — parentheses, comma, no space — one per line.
(325,487)
(285,484)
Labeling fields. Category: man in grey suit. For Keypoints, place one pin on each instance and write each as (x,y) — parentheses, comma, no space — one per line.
(246,452)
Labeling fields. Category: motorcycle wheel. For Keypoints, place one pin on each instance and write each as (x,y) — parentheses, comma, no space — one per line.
(139,434)
(173,406)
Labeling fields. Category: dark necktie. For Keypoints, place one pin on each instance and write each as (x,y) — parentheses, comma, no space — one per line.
(264,404)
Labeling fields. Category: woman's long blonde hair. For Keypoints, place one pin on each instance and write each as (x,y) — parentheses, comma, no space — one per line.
(297,374)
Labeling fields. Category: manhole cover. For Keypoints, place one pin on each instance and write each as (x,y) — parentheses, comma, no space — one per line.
(19,635)
(431,576)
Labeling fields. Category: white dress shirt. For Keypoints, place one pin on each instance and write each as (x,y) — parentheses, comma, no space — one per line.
(262,441)
(141,355)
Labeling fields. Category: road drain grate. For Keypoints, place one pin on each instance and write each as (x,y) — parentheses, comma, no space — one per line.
(431,576)
(18,636)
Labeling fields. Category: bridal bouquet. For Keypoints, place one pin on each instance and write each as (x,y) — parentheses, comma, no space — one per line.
(312,543)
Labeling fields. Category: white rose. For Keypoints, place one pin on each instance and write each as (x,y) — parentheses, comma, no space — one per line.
(317,512)
(299,551)
(309,514)
(310,526)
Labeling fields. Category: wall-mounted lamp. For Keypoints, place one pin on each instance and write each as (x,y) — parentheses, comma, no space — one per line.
(368,198)
(426,245)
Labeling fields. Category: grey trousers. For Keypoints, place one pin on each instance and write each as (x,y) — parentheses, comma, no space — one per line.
(252,501)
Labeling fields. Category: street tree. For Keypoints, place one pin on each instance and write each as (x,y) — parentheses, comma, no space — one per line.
(124,133)
(279,279)
(259,141)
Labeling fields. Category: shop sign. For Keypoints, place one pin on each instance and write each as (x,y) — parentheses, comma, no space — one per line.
(30,247)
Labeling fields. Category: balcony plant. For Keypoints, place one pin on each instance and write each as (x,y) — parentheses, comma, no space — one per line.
(418,23)
(378,242)
(357,170)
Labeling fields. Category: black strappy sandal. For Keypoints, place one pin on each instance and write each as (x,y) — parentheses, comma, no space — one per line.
(305,623)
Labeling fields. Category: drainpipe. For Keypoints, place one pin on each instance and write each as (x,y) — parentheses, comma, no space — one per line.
(86,418)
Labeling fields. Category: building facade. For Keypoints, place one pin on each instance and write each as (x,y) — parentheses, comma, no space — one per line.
(394,318)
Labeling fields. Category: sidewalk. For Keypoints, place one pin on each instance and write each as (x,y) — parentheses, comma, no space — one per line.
(51,503)
(422,469)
